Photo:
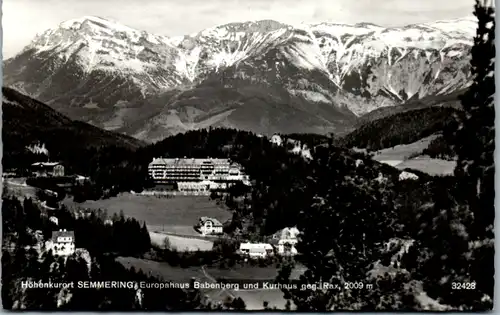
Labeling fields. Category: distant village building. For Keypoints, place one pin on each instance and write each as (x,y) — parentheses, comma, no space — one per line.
(256,250)
(54,220)
(359,163)
(62,243)
(407,176)
(301,149)
(285,241)
(79,179)
(46,169)
(209,226)
(9,174)
(277,140)
(166,171)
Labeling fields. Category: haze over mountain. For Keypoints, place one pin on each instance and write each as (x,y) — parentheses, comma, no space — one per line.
(28,122)
(263,76)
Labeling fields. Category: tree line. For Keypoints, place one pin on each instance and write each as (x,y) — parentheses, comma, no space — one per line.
(401,128)
(21,261)
(448,221)
(94,231)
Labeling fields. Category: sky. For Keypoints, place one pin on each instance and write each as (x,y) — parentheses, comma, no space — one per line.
(23,19)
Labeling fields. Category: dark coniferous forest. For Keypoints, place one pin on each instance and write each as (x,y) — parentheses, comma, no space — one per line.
(402,128)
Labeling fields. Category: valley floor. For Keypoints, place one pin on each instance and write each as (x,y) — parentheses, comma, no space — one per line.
(254,299)
(409,156)
(175,215)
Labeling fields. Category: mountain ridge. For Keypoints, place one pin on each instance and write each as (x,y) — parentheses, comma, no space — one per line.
(331,72)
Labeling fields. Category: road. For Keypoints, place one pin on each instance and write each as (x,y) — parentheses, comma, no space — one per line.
(213,280)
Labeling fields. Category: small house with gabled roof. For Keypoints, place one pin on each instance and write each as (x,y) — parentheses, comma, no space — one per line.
(209,226)
(62,243)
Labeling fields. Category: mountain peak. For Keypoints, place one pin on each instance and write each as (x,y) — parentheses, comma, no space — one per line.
(255,26)
(323,74)
(96,21)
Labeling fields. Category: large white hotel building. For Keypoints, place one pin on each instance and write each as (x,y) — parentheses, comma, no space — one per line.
(180,170)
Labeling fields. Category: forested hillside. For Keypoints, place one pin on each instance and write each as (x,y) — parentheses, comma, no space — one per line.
(448,100)
(27,122)
(402,128)
(440,256)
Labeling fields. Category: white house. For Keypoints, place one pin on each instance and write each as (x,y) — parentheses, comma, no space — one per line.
(256,250)
(81,179)
(301,149)
(44,169)
(276,139)
(359,162)
(62,243)
(286,241)
(208,226)
(287,247)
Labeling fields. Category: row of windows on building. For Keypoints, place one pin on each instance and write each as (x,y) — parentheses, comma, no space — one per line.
(164,170)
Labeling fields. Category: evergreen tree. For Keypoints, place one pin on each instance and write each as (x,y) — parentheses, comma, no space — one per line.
(8,277)
(146,239)
(475,137)
(455,244)
(350,216)
(238,304)
(475,145)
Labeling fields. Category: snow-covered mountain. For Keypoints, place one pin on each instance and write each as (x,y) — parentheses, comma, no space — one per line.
(265,76)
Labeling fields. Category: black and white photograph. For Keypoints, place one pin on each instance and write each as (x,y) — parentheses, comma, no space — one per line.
(248,155)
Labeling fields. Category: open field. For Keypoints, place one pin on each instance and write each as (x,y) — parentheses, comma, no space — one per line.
(181,243)
(400,157)
(254,299)
(429,165)
(251,272)
(18,187)
(403,152)
(238,272)
(162,270)
(174,215)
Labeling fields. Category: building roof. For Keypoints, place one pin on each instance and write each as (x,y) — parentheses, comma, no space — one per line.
(48,164)
(80,177)
(194,162)
(215,222)
(189,161)
(62,233)
(207,182)
(287,233)
(255,246)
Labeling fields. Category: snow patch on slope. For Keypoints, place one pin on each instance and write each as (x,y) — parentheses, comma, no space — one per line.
(375,66)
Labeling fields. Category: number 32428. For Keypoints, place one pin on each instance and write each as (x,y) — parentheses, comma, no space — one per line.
(463,285)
